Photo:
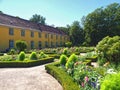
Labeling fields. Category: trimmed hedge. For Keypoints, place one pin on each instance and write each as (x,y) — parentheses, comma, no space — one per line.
(93,58)
(54,56)
(50,53)
(1,54)
(30,63)
(63,78)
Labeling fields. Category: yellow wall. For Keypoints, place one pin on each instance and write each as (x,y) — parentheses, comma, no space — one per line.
(5,37)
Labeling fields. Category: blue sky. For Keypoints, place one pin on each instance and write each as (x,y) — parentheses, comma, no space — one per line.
(57,12)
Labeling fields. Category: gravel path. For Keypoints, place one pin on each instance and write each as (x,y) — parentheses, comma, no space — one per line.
(34,78)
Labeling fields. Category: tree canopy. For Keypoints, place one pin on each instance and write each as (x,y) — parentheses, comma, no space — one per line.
(65,29)
(76,33)
(102,22)
(38,19)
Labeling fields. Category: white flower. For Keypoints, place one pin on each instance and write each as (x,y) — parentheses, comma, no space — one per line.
(111,71)
(5,54)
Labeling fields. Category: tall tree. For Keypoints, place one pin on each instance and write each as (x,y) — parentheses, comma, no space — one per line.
(76,33)
(38,19)
(102,22)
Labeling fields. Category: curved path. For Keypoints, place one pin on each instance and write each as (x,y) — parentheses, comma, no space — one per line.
(33,78)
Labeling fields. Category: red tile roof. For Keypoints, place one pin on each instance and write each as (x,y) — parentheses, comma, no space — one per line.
(18,22)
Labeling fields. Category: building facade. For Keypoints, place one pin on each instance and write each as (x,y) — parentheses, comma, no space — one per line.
(36,35)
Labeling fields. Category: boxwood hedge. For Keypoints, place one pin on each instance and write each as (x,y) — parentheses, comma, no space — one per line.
(28,63)
(63,78)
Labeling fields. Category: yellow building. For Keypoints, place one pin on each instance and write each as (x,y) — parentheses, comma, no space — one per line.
(36,35)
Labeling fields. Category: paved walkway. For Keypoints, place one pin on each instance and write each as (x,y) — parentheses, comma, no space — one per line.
(34,78)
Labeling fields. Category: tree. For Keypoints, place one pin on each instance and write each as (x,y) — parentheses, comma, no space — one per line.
(38,19)
(1,12)
(21,45)
(65,29)
(76,33)
(101,23)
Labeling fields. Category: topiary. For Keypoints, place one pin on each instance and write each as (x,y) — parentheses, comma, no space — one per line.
(42,55)
(71,60)
(111,82)
(63,59)
(65,51)
(33,56)
(21,56)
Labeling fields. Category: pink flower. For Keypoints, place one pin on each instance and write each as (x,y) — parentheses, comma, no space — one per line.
(76,63)
(82,84)
(86,78)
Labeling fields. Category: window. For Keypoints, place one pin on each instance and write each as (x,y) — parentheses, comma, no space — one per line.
(56,44)
(46,35)
(39,44)
(56,36)
(11,31)
(39,34)
(46,44)
(60,37)
(32,44)
(61,43)
(32,34)
(11,44)
(52,44)
(22,32)
(64,38)
(51,36)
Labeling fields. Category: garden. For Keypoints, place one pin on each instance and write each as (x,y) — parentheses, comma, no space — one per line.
(21,58)
(89,68)
(75,68)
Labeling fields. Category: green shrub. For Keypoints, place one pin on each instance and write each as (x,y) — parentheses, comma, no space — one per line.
(33,56)
(68,44)
(63,59)
(71,60)
(12,51)
(42,55)
(109,48)
(76,49)
(111,82)
(21,56)
(65,80)
(21,45)
(65,51)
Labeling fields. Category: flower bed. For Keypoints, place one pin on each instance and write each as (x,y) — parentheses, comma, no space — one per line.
(87,76)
